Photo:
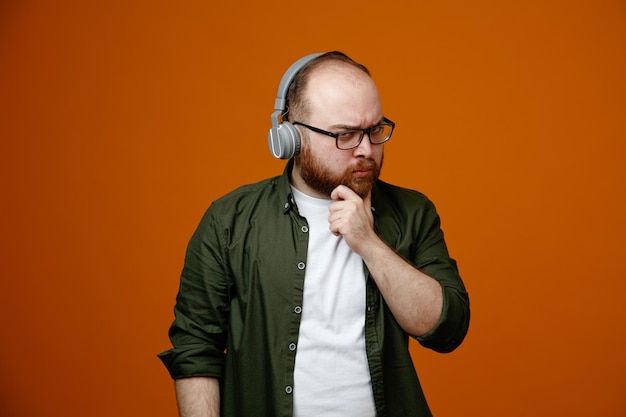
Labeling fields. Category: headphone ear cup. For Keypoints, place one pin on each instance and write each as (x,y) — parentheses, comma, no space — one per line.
(285,143)
(290,137)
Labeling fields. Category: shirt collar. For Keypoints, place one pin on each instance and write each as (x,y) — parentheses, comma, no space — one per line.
(284,186)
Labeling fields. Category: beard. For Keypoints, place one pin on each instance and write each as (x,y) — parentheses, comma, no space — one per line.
(321,180)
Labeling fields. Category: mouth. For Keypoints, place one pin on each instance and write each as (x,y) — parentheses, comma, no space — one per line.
(364,169)
(361,173)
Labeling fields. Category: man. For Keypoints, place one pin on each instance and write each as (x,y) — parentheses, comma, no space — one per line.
(299,293)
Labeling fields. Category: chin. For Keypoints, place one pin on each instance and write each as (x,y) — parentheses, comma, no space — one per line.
(361,187)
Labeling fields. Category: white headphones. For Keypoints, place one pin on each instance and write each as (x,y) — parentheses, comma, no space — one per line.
(283,137)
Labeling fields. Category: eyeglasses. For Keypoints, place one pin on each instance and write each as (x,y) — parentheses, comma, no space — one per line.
(350,139)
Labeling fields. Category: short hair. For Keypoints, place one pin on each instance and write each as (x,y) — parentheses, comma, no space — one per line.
(296,105)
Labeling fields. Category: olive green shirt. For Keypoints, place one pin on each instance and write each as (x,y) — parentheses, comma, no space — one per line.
(237,312)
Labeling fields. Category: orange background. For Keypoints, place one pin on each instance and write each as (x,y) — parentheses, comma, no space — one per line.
(122,120)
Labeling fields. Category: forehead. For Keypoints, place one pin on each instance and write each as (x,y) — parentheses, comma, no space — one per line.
(339,93)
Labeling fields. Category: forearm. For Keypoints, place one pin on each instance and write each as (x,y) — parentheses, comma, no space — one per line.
(198,397)
(414,298)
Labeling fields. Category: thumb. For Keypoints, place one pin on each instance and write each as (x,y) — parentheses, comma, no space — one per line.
(367,200)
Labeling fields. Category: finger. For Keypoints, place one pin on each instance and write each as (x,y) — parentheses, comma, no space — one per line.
(341,192)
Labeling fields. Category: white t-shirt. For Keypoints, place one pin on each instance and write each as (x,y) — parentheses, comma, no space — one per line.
(331,377)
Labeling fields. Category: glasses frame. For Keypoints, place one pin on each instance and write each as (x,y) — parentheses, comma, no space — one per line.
(386,122)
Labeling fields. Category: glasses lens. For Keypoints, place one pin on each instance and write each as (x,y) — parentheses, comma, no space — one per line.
(352,138)
(380,133)
(349,139)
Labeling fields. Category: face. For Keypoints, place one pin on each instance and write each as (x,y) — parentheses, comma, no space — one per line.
(340,97)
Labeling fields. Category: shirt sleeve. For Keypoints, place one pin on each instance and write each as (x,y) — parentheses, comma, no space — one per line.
(431,257)
(198,333)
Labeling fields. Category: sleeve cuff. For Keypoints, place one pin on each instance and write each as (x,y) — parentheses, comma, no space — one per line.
(190,361)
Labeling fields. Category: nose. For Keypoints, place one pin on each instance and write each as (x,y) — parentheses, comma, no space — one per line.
(365,148)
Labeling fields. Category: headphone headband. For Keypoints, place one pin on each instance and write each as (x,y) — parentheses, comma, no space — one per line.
(288,77)
(283,138)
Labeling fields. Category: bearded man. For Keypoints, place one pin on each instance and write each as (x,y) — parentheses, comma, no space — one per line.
(299,293)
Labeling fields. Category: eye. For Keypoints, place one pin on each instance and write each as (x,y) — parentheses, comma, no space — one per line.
(348,134)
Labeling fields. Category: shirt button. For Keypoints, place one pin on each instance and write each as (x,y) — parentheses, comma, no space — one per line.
(288,389)
(304,229)
(297,310)
(301,265)
(292,346)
